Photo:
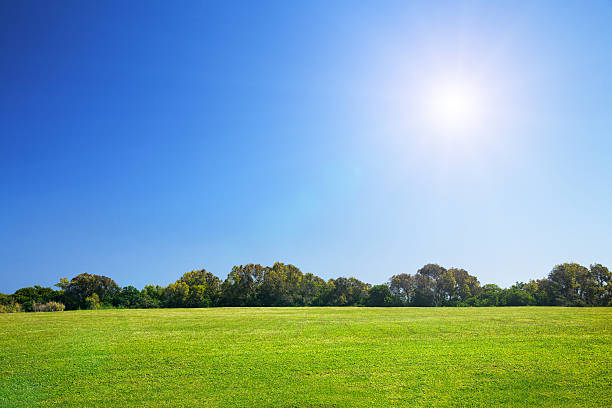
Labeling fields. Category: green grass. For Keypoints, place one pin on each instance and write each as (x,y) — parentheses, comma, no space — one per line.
(308,357)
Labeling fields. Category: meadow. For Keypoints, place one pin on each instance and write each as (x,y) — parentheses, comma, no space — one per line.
(308,357)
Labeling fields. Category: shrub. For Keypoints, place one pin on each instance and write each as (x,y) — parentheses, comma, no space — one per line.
(93,301)
(48,307)
(517,297)
(10,308)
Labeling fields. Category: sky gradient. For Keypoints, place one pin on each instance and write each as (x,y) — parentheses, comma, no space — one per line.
(141,140)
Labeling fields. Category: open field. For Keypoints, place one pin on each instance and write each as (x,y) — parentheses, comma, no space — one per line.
(308,357)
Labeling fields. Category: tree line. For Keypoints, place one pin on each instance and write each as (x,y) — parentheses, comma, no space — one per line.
(568,284)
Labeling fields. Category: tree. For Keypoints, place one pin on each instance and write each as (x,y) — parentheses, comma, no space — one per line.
(589,291)
(603,292)
(403,287)
(6,299)
(601,274)
(129,297)
(204,288)
(242,286)
(516,297)
(424,290)
(438,286)
(152,296)
(419,289)
(545,294)
(63,283)
(489,296)
(352,290)
(342,292)
(565,289)
(311,287)
(432,271)
(568,284)
(84,286)
(176,294)
(281,286)
(466,285)
(26,297)
(380,295)
(445,288)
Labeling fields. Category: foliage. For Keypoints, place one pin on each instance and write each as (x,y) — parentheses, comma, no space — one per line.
(434,285)
(279,285)
(87,291)
(204,288)
(152,296)
(27,297)
(129,297)
(567,284)
(517,297)
(93,302)
(176,294)
(342,292)
(48,307)
(380,295)
(10,308)
(242,286)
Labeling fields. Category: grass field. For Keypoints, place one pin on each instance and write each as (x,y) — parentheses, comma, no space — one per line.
(308,357)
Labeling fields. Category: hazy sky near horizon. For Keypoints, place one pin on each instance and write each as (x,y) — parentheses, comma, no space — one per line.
(141,140)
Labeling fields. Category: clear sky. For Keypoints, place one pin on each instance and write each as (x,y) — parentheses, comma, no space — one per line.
(141,140)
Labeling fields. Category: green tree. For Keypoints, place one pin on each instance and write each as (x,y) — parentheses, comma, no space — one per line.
(281,286)
(343,292)
(424,291)
(489,296)
(84,286)
(380,295)
(403,287)
(516,297)
(311,287)
(466,285)
(129,297)
(176,294)
(204,288)
(564,288)
(26,297)
(602,295)
(152,296)
(432,271)
(446,288)
(63,283)
(241,288)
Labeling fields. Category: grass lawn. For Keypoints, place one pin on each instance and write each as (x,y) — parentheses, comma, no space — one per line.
(308,357)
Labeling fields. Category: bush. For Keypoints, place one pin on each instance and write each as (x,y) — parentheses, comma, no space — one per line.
(517,297)
(10,308)
(93,302)
(48,307)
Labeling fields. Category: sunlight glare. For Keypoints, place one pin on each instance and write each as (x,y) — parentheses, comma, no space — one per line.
(454,106)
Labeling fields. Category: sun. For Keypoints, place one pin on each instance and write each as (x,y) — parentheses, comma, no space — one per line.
(454,105)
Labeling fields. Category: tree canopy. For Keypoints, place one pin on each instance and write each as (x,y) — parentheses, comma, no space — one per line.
(567,284)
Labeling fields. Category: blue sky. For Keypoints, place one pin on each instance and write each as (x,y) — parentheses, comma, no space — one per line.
(141,140)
